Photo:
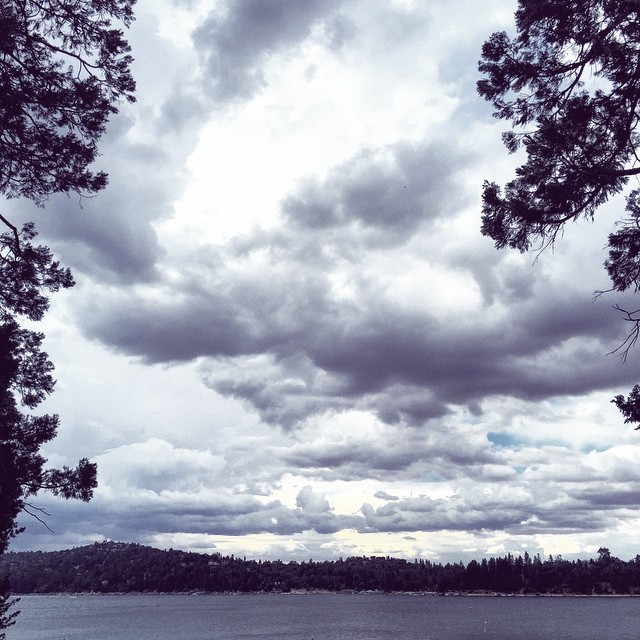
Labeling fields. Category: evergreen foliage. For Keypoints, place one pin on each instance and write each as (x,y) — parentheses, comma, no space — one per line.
(579,136)
(63,69)
(107,567)
(569,84)
(7,617)
(25,379)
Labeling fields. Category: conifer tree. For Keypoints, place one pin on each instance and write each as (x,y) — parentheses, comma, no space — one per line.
(569,85)
(64,67)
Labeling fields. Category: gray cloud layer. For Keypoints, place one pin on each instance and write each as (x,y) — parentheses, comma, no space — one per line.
(265,314)
(236,40)
(564,495)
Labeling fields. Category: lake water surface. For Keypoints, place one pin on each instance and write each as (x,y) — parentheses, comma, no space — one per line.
(324,616)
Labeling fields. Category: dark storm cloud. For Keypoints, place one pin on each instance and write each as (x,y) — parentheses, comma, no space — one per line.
(110,237)
(617,497)
(176,513)
(515,507)
(417,363)
(292,350)
(221,314)
(394,454)
(236,39)
(262,314)
(386,193)
(352,460)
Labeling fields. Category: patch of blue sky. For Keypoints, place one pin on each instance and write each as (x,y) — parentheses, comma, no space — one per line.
(597,447)
(505,440)
(432,476)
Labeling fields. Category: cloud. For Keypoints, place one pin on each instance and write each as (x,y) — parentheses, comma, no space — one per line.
(191,493)
(383,495)
(112,237)
(175,490)
(236,40)
(343,307)
(312,503)
(383,194)
(522,504)
(455,513)
(100,237)
(158,466)
(351,451)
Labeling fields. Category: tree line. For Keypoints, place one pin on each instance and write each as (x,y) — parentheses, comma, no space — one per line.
(108,567)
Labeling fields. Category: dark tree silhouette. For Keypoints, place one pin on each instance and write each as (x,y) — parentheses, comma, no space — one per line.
(125,568)
(569,84)
(64,67)
(25,369)
(630,406)
(26,271)
(25,379)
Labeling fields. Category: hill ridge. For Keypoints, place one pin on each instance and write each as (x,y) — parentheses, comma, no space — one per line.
(110,566)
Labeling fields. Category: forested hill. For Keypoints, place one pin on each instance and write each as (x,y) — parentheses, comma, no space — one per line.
(119,567)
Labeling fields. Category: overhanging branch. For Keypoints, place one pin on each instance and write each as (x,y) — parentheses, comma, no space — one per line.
(633,336)
(16,236)
(28,506)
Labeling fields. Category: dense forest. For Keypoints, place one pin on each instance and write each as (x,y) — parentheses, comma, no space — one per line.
(118,567)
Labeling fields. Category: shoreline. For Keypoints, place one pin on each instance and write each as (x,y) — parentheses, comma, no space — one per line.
(305,592)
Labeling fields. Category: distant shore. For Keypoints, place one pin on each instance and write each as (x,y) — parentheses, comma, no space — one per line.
(115,567)
(307,592)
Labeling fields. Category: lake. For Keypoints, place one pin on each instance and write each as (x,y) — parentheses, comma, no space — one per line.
(324,616)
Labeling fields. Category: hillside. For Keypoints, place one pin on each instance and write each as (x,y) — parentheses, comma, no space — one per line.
(118,567)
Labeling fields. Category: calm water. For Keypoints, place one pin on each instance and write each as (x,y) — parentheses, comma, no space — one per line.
(325,617)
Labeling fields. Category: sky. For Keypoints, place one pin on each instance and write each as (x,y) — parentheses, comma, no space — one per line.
(288,337)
